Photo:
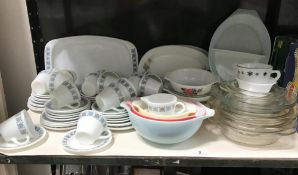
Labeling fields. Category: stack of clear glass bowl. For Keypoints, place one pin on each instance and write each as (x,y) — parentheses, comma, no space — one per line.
(253,118)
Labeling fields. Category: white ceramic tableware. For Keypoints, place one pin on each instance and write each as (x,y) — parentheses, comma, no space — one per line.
(109,98)
(71,144)
(93,52)
(135,80)
(58,77)
(50,108)
(18,128)
(41,134)
(150,84)
(89,86)
(163,104)
(105,79)
(127,88)
(255,87)
(163,59)
(91,127)
(66,94)
(257,73)
(39,84)
(191,81)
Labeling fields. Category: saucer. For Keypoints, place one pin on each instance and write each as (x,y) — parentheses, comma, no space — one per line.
(123,124)
(85,104)
(70,144)
(35,109)
(41,135)
(119,128)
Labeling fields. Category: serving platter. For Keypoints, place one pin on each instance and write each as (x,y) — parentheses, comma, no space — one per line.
(164,59)
(85,54)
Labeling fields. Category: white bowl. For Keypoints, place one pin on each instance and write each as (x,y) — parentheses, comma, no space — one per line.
(191,81)
(164,132)
(255,87)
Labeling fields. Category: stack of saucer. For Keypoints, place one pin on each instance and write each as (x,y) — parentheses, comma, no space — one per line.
(117,118)
(91,98)
(36,102)
(64,118)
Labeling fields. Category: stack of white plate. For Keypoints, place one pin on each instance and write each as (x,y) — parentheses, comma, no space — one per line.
(62,119)
(37,102)
(117,118)
(92,99)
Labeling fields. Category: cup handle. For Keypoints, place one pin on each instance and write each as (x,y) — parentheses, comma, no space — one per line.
(106,136)
(15,141)
(182,105)
(277,72)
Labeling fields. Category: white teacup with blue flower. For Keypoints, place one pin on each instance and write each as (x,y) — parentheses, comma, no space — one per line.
(92,126)
(18,129)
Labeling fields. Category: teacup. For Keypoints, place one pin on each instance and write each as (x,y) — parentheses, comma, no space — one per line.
(150,84)
(163,104)
(109,98)
(135,80)
(105,79)
(66,94)
(58,77)
(257,73)
(89,86)
(92,126)
(18,129)
(39,84)
(127,88)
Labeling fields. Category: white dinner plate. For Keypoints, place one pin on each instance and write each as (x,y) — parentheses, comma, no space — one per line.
(118,121)
(41,135)
(164,59)
(124,124)
(70,144)
(87,53)
(114,128)
(35,109)
(242,37)
(52,128)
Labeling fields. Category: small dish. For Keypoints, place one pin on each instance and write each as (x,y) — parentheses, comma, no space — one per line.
(41,135)
(255,87)
(71,145)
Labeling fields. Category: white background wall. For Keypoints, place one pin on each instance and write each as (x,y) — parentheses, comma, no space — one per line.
(17,64)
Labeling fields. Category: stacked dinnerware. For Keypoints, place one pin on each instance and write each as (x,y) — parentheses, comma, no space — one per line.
(65,118)
(190,84)
(253,118)
(36,102)
(117,118)
(43,84)
(163,119)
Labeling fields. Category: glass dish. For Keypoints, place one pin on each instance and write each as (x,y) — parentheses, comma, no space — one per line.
(247,138)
